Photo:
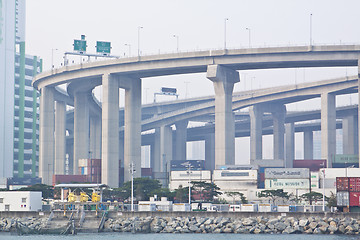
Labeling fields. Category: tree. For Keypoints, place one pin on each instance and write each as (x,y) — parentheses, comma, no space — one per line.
(311,196)
(237,194)
(143,188)
(331,201)
(47,191)
(182,194)
(207,191)
(274,195)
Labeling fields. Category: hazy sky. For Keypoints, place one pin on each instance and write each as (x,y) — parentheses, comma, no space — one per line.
(199,25)
(53,24)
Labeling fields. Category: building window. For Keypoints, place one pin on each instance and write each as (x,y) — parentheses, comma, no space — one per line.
(1,200)
(23,200)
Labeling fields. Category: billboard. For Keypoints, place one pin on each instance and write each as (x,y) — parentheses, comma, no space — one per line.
(287,173)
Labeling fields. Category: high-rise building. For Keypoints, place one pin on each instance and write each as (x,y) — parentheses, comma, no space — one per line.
(18,100)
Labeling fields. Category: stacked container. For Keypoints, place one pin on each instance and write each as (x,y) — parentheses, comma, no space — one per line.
(342,191)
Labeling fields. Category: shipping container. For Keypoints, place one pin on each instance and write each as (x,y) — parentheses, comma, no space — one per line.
(354,199)
(146,207)
(182,165)
(354,184)
(346,158)
(313,165)
(342,184)
(287,184)
(265,208)
(287,173)
(333,173)
(235,208)
(345,165)
(181,207)
(249,207)
(342,199)
(283,208)
(328,183)
(234,175)
(235,167)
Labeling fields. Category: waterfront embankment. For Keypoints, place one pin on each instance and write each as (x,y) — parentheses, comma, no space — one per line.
(191,222)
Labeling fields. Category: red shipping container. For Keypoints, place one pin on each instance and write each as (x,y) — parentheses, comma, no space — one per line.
(354,199)
(262,177)
(342,183)
(354,184)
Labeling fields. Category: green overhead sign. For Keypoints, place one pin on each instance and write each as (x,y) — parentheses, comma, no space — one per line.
(103,47)
(80,45)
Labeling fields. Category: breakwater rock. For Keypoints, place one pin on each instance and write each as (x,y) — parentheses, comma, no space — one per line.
(256,225)
(25,225)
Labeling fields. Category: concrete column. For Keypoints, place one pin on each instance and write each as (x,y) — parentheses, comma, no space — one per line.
(110,131)
(60,137)
(223,79)
(279,130)
(328,127)
(308,145)
(132,135)
(256,114)
(180,140)
(289,144)
(155,153)
(349,126)
(358,129)
(95,137)
(46,137)
(165,152)
(81,128)
(210,151)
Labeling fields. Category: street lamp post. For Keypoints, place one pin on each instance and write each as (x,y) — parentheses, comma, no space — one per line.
(323,207)
(139,40)
(249,36)
(310,29)
(127,44)
(226,19)
(132,185)
(177,42)
(189,172)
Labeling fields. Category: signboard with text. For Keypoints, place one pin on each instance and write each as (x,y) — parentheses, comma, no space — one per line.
(103,47)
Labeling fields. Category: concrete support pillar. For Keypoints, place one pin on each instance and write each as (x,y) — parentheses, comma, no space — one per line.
(289,144)
(180,140)
(95,137)
(155,153)
(132,134)
(46,137)
(278,115)
(223,79)
(256,114)
(210,152)
(308,145)
(358,129)
(60,137)
(165,152)
(349,126)
(110,131)
(328,127)
(81,128)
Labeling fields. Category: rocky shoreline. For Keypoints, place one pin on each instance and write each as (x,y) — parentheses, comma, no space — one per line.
(253,225)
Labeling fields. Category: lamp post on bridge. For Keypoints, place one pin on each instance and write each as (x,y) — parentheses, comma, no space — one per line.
(226,19)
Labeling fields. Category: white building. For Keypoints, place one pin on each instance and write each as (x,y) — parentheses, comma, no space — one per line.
(181,178)
(20,201)
(19,101)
